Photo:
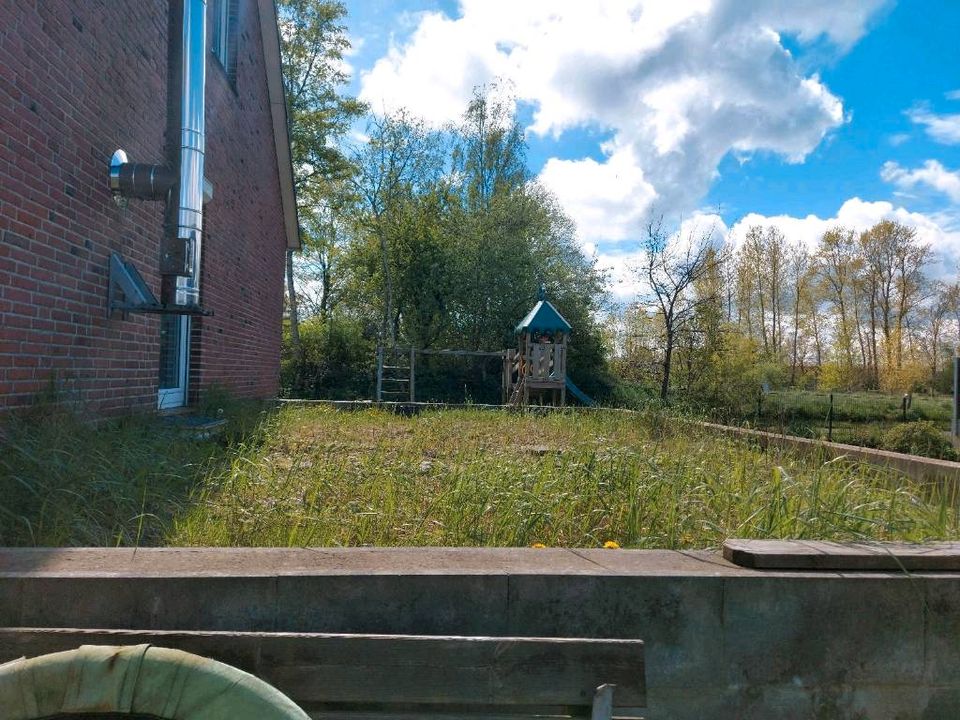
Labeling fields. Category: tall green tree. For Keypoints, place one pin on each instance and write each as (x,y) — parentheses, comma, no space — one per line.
(451,238)
(490,152)
(313,41)
(400,162)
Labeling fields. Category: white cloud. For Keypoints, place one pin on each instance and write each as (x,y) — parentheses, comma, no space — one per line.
(434,72)
(607,199)
(941,232)
(944,129)
(621,268)
(703,226)
(952,95)
(932,174)
(356,45)
(679,84)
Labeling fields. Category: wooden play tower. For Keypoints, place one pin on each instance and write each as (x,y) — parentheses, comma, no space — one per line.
(537,370)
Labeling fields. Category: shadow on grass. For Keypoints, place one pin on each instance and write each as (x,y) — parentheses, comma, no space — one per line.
(67,482)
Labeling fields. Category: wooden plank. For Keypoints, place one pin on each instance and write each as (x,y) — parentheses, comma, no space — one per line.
(822,555)
(434,713)
(270,37)
(465,353)
(346,672)
(476,353)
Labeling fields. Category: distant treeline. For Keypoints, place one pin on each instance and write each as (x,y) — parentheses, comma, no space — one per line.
(858,312)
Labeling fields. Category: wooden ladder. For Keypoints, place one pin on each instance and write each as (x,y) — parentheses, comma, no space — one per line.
(516,397)
(395,383)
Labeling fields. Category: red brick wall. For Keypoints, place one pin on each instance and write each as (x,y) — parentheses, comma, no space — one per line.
(78,79)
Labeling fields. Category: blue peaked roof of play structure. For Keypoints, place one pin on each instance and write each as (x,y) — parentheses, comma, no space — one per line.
(543,318)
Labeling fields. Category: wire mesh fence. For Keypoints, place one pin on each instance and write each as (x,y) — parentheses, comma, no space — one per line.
(843,417)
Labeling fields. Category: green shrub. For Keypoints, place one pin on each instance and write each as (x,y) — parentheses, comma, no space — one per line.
(338,361)
(871,436)
(633,395)
(919,438)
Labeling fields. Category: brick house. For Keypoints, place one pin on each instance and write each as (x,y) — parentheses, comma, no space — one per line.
(120,289)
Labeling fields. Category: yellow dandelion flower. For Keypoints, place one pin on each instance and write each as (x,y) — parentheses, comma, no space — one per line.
(538,545)
(611,545)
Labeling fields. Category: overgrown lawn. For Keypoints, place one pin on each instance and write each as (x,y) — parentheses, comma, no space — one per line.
(313,475)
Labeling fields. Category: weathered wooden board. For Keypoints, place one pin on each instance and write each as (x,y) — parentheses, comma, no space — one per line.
(362,672)
(822,555)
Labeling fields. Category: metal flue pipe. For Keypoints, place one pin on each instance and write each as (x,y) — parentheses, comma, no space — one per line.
(192,130)
(141,181)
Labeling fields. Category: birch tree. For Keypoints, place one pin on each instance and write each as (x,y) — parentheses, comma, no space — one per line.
(671,267)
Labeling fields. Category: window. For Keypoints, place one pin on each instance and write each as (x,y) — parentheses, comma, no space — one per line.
(174,354)
(223,17)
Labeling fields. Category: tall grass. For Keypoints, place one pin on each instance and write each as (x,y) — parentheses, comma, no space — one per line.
(316,476)
(567,479)
(64,481)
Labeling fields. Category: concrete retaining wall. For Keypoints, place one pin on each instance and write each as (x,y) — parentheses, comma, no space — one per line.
(917,467)
(721,641)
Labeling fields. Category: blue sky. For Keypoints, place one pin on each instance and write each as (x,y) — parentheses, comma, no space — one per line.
(910,56)
(803,113)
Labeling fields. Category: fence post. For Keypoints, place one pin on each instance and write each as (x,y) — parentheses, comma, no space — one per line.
(759,404)
(413,374)
(903,408)
(830,420)
(379,373)
(956,394)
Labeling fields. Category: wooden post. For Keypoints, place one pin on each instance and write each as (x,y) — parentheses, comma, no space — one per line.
(413,360)
(507,376)
(830,420)
(956,394)
(379,373)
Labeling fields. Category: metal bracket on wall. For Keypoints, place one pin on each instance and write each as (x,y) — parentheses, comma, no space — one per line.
(128,293)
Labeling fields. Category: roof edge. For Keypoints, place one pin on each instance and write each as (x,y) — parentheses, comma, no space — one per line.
(270,37)
(531,316)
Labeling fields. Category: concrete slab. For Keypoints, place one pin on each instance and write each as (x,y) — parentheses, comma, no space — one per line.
(822,555)
(829,702)
(261,562)
(679,619)
(781,631)
(216,603)
(253,562)
(942,632)
(721,641)
(451,604)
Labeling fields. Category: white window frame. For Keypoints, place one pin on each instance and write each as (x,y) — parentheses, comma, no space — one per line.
(175,397)
(220,41)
